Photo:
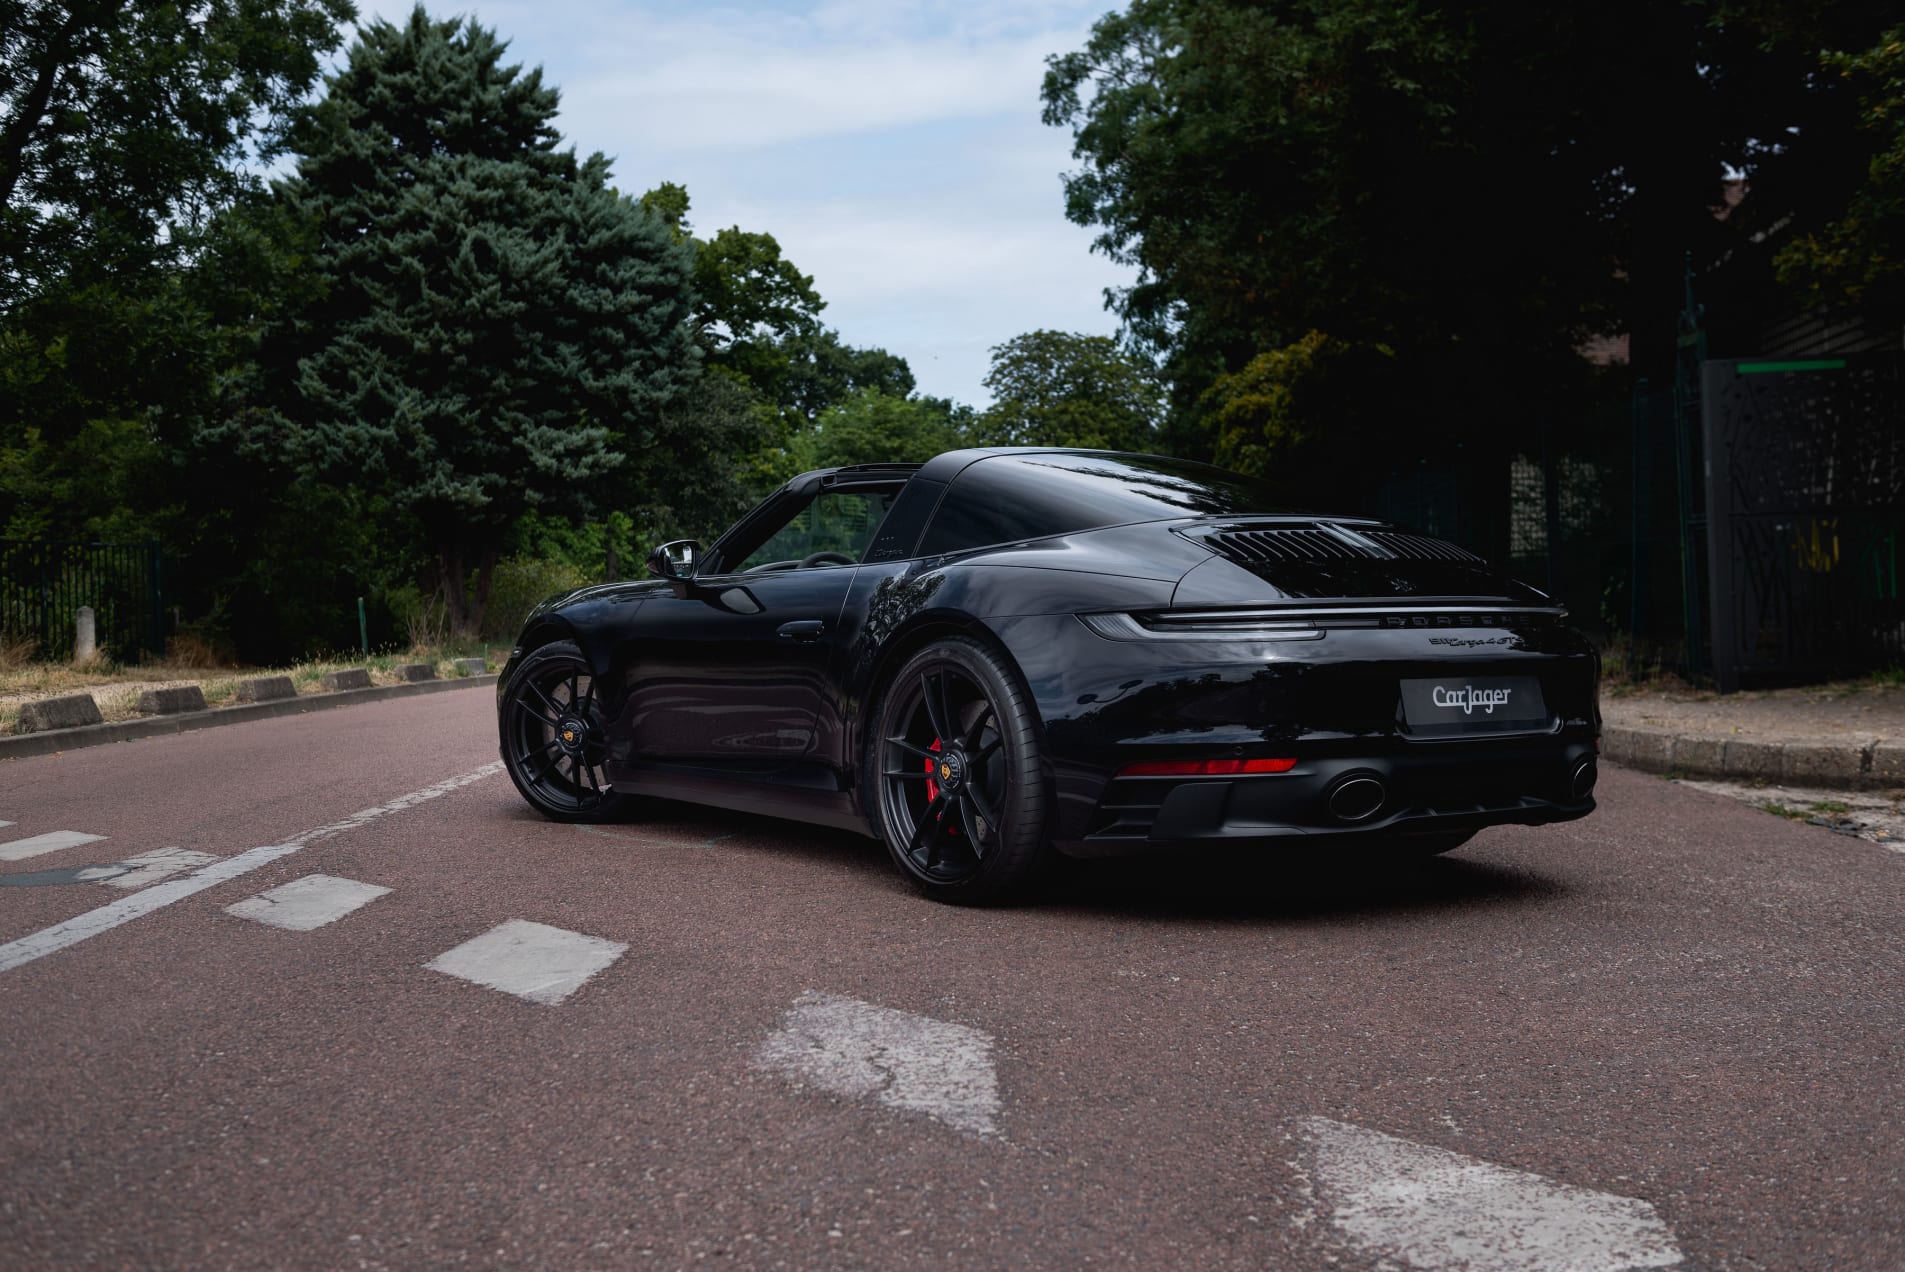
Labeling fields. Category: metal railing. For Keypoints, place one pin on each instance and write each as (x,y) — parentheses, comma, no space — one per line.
(43,583)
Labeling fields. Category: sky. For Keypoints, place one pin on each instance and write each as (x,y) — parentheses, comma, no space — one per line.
(894,150)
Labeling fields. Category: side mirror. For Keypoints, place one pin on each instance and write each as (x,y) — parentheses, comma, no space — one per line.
(675,561)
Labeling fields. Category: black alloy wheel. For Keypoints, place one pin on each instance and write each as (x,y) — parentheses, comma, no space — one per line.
(954,764)
(554,736)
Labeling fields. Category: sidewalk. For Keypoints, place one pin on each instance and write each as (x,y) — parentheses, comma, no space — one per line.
(1845,737)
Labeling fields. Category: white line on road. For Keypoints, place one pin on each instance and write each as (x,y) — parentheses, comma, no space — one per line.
(107,917)
(530,960)
(860,1050)
(52,841)
(306,904)
(1434,1209)
(161,863)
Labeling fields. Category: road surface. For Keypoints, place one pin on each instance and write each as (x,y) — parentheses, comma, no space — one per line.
(332,997)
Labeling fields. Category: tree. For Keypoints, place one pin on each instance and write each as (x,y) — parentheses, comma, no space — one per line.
(1053,388)
(1460,192)
(125,131)
(871,427)
(124,126)
(758,320)
(1858,257)
(499,329)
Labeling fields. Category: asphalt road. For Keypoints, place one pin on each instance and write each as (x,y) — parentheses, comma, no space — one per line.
(1669,1035)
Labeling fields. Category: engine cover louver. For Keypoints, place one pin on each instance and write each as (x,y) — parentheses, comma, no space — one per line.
(1254,543)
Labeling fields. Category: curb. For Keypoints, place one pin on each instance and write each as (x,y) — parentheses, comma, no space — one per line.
(1834,762)
(20,746)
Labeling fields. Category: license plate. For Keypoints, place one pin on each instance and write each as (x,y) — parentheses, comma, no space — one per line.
(1473,704)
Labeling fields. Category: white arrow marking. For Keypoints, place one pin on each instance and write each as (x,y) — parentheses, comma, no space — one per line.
(901,1060)
(1436,1210)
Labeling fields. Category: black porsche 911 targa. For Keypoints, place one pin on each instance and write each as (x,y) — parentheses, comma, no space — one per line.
(1003,654)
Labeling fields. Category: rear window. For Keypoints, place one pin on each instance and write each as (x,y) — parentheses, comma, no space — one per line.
(1005,498)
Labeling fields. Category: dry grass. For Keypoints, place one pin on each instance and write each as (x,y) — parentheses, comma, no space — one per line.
(117,688)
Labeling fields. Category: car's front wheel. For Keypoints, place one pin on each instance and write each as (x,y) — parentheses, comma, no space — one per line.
(954,779)
(555,736)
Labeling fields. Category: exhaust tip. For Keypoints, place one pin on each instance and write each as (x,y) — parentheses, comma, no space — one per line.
(1357,798)
(1581,781)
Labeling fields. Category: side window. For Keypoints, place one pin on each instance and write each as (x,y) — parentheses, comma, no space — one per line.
(841,522)
(993,502)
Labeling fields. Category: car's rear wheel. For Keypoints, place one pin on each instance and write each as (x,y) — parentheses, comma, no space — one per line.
(953,768)
(555,736)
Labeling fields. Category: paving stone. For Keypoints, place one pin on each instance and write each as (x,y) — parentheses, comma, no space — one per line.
(172,700)
(349,678)
(1822,763)
(1699,756)
(471,666)
(1888,765)
(1649,749)
(1751,760)
(266,689)
(68,712)
(414,672)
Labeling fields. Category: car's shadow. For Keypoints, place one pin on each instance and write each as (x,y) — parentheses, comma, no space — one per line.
(1293,889)
(1300,885)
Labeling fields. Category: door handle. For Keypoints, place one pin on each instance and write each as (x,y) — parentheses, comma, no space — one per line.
(804,629)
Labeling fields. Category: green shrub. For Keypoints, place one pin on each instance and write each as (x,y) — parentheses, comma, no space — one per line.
(520,584)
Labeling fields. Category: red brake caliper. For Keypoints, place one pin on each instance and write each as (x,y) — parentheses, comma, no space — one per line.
(932,787)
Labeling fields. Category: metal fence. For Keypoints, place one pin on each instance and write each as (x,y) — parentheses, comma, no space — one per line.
(43,584)
(1805,495)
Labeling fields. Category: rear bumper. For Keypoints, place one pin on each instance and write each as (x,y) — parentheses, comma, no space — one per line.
(1425,788)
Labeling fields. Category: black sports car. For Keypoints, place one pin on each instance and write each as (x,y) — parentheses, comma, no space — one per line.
(1001,654)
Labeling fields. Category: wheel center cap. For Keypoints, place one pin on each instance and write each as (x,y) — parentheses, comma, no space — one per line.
(572,735)
(952,770)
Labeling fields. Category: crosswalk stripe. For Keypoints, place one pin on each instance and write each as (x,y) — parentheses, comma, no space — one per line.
(896,1058)
(52,841)
(36,945)
(148,868)
(308,903)
(1434,1209)
(530,960)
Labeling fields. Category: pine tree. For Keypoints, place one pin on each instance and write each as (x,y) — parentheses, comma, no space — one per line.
(499,330)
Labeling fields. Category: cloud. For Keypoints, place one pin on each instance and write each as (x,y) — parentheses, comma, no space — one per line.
(894,150)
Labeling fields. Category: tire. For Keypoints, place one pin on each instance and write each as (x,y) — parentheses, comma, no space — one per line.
(554,737)
(1431,843)
(963,816)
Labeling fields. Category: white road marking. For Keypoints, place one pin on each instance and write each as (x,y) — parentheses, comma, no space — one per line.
(530,960)
(1434,1209)
(307,903)
(4,824)
(861,1051)
(148,868)
(52,841)
(107,917)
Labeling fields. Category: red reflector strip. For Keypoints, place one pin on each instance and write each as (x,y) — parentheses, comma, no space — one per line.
(1205,768)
